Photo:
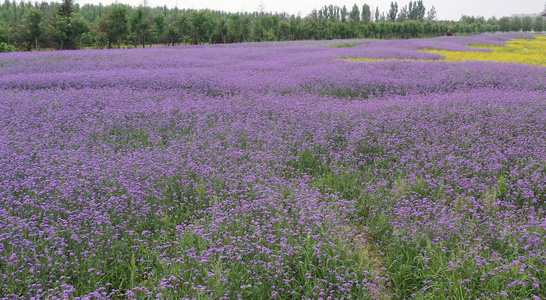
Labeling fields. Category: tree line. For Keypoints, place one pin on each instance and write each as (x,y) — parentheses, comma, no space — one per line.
(66,25)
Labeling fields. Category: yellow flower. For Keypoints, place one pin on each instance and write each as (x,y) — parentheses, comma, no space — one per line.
(523,51)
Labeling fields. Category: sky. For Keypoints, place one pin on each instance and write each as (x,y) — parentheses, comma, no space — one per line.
(446,9)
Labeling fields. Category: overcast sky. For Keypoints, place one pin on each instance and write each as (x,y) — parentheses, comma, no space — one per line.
(447,9)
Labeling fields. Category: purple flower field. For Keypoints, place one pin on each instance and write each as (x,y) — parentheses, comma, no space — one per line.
(274,170)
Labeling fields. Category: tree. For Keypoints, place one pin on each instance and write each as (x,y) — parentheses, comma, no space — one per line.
(139,25)
(333,13)
(270,25)
(527,24)
(202,26)
(403,15)
(63,25)
(62,31)
(235,28)
(366,14)
(504,24)
(66,9)
(411,11)
(246,29)
(343,13)
(432,14)
(7,48)
(183,26)
(538,25)
(468,19)
(118,20)
(172,34)
(114,25)
(4,37)
(355,13)
(284,31)
(420,10)
(515,24)
(393,12)
(413,28)
(492,21)
(416,10)
(313,16)
(79,28)
(67,26)
(159,27)
(32,28)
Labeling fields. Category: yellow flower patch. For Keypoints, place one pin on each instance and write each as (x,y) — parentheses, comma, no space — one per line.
(523,51)
(364,59)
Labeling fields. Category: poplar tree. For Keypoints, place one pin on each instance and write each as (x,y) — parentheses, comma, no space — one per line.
(538,25)
(516,24)
(527,24)
(393,12)
(432,14)
(355,13)
(63,25)
(504,24)
(32,28)
(140,25)
(366,14)
(343,13)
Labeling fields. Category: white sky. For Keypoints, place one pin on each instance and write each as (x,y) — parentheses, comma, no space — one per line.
(447,9)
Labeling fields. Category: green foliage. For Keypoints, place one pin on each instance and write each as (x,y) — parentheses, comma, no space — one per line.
(139,25)
(538,24)
(516,24)
(114,25)
(432,15)
(393,12)
(527,24)
(79,28)
(66,25)
(201,27)
(504,24)
(7,48)
(32,28)
(445,268)
(235,29)
(159,27)
(366,14)
(345,45)
(416,10)
(355,13)
(66,9)
(310,163)
(100,40)
(62,31)
(4,32)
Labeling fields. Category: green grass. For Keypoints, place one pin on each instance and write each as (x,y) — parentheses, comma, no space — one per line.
(446,268)
(345,45)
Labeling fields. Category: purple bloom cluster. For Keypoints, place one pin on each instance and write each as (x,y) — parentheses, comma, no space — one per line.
(276,170)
